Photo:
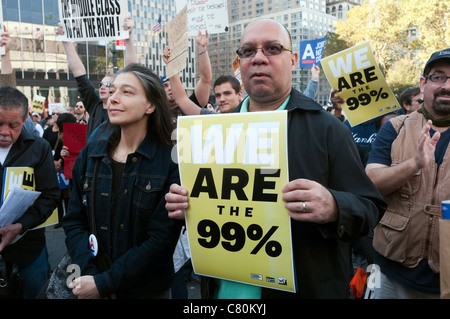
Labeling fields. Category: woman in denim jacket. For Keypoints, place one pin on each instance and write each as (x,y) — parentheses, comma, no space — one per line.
(126,194)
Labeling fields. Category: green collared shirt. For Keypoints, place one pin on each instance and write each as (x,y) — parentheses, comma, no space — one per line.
(244,107)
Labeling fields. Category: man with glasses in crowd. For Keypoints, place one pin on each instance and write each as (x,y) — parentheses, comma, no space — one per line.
(410,165)
(329,198)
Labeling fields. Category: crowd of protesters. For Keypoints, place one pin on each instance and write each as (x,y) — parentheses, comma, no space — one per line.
(371,192)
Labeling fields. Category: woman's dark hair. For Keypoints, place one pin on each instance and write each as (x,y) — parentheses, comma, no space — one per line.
(159,126)
(65,118)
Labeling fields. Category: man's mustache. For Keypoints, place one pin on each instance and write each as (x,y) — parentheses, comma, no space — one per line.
(5,139)
(442,92)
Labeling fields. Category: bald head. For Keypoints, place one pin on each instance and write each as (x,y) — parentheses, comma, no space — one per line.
(267,78)
(261,24)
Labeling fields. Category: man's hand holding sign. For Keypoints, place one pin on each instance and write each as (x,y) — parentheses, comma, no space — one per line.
(306,196)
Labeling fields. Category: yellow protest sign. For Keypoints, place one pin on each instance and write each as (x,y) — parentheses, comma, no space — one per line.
(38,104)
(355,72)
(23,177)
(234,167)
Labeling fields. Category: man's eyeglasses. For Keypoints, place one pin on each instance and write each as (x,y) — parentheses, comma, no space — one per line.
(419,101)
(438,78)
(56,113)
(107,84)
(79,106)
(269,49)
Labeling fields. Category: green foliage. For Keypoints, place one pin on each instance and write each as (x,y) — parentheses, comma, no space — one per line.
(402,34)
(333,44)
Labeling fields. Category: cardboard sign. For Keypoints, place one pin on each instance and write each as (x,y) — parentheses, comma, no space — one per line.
(234,167)
(178,41)
(356,73)
(91,20)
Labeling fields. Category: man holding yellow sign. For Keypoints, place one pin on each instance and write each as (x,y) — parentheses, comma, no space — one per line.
(27,163)
(329,198)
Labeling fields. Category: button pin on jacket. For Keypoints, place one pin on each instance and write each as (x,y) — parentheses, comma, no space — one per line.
(93,245)
(149,186)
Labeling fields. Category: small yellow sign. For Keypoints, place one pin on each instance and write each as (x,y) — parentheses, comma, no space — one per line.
(23,177)
(38,104)
(234,167)
(355,72)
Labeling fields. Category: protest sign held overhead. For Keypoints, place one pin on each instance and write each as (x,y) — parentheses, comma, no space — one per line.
(234,167)
(356,74)
(38,104)
(91,20)
(178,41)
(311,52)
(210,15)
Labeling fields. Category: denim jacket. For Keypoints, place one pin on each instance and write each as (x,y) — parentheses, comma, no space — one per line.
(132,225)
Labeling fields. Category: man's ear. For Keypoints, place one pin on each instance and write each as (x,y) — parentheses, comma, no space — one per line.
(294,59)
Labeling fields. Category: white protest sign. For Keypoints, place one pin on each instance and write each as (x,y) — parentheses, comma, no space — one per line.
(211,15)
(93,20)
(52,106)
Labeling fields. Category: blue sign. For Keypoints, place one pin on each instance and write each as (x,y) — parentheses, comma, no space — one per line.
(311,52)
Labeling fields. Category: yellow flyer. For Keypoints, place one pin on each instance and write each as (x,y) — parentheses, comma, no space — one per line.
(234,167)
(38,104)
(23,177)
(356,73)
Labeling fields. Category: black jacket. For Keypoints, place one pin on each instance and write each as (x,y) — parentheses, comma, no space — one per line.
(322,149)
(32,151)
(92,103)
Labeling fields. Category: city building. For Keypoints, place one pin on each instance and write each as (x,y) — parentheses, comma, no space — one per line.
(339,8)
(40,62)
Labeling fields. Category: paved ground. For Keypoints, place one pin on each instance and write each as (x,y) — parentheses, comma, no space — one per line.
(57,248)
